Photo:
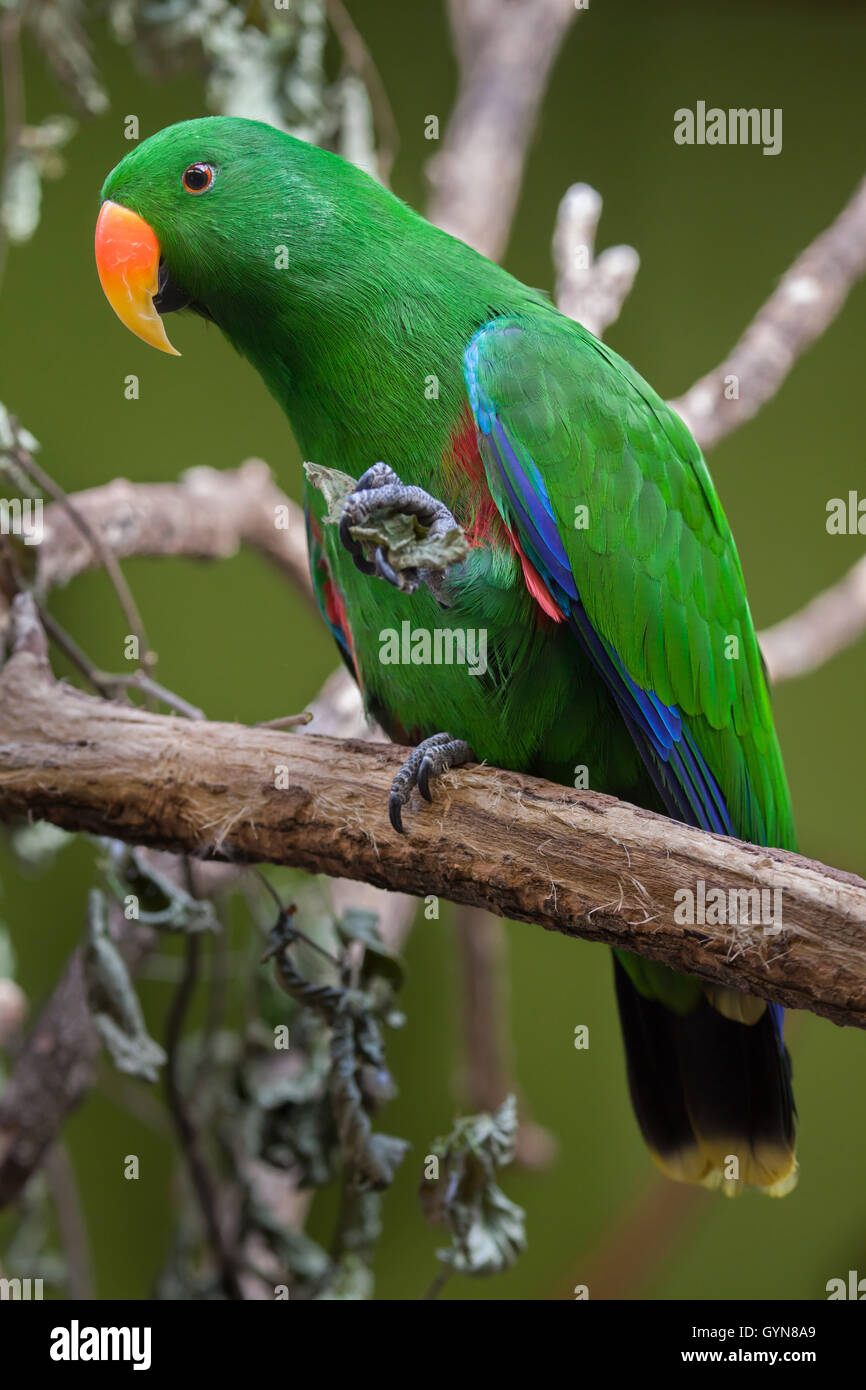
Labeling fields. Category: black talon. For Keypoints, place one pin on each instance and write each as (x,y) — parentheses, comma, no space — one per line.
(424,772)
(395,809)
(354,547)
(363,565)
(432,756)
(346,537)
(384,570)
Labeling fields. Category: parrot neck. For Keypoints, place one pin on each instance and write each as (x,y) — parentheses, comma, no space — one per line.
(381,384)
(350,405)
(363,346)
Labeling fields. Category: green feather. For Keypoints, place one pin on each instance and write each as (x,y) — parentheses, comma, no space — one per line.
(373,308)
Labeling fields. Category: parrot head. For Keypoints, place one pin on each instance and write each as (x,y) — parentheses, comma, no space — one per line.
(235,220)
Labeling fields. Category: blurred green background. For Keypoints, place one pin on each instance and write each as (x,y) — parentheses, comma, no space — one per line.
(715,227)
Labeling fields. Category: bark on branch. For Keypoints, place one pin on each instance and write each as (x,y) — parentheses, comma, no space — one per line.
(208,515)
(579,863)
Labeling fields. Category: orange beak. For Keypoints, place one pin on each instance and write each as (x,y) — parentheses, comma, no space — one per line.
(127,258)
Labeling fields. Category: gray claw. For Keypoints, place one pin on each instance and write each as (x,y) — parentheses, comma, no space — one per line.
(384,570)
(395,812)
(379,490)
(430,759)
(353,546)
(377,475)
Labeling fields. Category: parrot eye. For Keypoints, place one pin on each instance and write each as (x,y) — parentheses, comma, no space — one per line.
(198,178)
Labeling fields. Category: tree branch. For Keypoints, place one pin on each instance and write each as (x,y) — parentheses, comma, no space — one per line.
(808,298)
(56,1066)
(589,288)
(579,863)
(487,139)
(207,515)
(488,1065)
(828,623)
(505,51)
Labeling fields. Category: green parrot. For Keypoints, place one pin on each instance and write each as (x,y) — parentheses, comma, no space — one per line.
(601,587)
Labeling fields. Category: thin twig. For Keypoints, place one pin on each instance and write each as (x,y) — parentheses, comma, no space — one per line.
(589,288)
(288,930)
(208,514)
(438,1283)
(359,58)
(71,649)
(138,680)
(488,1065)
(288,721)
(186,1130)
(70,1220)
(635,1246)
(107,683)
(102,551)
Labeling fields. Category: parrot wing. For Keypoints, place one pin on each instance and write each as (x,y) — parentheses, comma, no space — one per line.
(610,506)
(610,501)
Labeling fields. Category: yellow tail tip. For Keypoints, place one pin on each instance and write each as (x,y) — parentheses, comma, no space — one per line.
(724,1166)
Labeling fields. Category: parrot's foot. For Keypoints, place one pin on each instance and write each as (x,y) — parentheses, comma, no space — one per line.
(379,493)
(431,758)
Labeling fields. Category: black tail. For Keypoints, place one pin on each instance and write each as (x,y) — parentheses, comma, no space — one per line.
(712,1095)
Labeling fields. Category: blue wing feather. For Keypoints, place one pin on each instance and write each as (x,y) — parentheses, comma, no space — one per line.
(685,784)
